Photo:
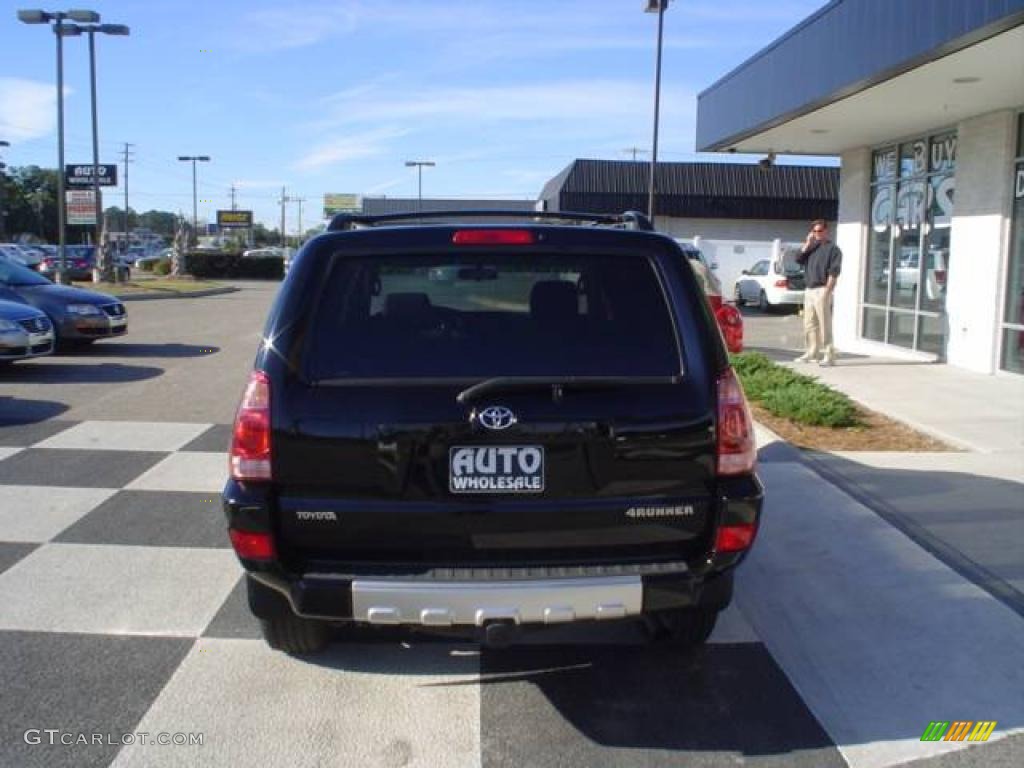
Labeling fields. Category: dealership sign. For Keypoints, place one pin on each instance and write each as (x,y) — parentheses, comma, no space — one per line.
(81,175)
(347,203)
(234,219)
(81,207)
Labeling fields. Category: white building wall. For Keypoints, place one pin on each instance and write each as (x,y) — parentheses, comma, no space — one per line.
(851,237)
(758,230)
(979,239)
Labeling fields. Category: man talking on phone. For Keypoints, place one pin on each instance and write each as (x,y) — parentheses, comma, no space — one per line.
(822,262)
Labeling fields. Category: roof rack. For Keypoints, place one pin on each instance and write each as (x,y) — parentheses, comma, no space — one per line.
(626,220)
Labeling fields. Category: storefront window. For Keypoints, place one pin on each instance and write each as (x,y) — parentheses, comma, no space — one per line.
(1013,316)
(912,187)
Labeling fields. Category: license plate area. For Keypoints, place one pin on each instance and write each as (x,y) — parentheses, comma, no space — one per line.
(512,469)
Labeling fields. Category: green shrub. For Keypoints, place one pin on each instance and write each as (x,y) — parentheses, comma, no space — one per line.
(162,267)
(791,395)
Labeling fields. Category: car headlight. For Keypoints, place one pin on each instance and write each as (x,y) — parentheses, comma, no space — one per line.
(6,326)
(83,309)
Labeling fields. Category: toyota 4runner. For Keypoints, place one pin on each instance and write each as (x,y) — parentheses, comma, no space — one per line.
(481,428)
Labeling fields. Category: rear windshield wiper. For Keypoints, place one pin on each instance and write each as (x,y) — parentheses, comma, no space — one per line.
(557,384)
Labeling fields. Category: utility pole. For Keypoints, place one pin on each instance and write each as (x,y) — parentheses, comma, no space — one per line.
(126,157)
(233,197)
(300,201)
(419,166)
(284,201)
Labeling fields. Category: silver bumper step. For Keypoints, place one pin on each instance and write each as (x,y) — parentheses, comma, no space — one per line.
(474,603)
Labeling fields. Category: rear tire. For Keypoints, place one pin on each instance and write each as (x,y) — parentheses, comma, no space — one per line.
(738,297)
(292,634)
(762,302)
(683,627)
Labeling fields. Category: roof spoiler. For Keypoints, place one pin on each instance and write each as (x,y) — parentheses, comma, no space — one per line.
(626,220)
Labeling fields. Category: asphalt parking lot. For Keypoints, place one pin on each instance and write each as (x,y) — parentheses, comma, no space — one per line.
(123,610)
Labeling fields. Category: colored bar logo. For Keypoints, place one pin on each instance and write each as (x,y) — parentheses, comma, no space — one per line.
(958,730)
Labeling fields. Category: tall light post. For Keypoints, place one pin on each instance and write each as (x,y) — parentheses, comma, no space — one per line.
(60,31)
(106,266)
(418,165)
(195,209)
(658,7)
(3,195)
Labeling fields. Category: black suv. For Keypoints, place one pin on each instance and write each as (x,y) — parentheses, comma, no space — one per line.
(484,427)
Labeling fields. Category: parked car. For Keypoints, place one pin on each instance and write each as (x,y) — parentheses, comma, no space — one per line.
(730,321)
(80,261)
(24,332)
(78,316)
(563,442)
(263,253)
(148,262)
(29,255)
(908,272)
(772,283)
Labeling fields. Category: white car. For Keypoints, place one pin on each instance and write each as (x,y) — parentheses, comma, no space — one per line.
(263,253)
(770,284)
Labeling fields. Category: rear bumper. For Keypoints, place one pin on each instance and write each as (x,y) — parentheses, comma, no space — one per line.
(452,600)
(785,296)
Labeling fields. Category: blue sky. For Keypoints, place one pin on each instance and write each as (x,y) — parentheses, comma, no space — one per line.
(335,96)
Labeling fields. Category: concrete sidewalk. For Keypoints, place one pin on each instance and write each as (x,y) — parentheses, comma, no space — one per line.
(966,507)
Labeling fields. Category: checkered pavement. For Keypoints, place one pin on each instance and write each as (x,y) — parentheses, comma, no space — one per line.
(123,611)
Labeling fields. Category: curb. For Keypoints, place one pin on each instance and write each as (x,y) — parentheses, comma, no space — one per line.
(172,295)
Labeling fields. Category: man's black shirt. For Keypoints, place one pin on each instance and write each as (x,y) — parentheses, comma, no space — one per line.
(823,259)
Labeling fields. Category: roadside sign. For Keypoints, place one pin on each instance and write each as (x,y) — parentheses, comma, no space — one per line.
(234,219)
(341,203)
(81,207)
(81,175)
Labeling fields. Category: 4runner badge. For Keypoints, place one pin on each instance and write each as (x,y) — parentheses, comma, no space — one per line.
(648,513)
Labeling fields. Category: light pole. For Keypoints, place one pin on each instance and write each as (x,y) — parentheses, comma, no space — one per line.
(658,7)
(195,210)
(419,164)
(105,266)
(3,195)
(60,31)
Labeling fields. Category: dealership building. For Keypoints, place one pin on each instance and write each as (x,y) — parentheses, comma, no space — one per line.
(922,100)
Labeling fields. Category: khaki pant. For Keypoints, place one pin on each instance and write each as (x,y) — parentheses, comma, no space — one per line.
(818,324)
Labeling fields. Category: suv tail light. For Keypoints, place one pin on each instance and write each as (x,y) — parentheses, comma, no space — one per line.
(715,300)
(250,441)
(735,538)
(730,321)
(782,283)
(737,448)
(493,237)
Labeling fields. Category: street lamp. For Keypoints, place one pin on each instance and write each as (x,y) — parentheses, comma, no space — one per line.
(60,31)
(3,194)
(418,165)
(658,7)
(195,211)
(91,30)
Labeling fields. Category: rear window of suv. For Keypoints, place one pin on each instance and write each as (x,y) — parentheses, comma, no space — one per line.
(461,316)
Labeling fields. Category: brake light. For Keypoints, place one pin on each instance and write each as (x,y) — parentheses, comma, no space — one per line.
(735,538)
(250,441)
(251,545)
(493,237)
(737,448)
(715,301)
(730,321)
(940,276)
(782,283)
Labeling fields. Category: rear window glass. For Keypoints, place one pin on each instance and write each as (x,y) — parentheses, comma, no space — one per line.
(482,316)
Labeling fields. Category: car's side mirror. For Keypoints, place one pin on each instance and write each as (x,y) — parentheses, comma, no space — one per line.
(745,272)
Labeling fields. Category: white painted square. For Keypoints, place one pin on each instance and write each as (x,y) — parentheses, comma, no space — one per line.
(38,513)
(202,472)
(355,705)
(116,590)
(126,436)
(6,451)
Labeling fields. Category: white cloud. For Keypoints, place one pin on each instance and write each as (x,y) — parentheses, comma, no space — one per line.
(349,147)
(28,109)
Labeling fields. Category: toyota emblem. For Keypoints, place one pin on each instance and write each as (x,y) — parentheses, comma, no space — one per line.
(496,417)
